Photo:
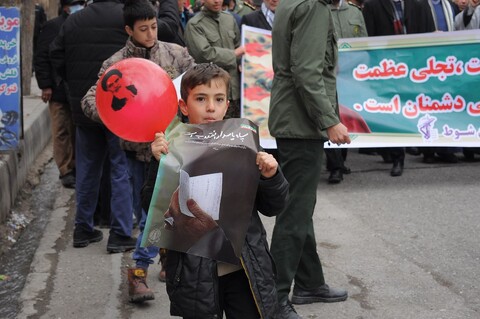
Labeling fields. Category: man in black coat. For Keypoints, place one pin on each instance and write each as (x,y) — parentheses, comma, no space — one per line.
(262,18)
(391,17)
(169,23)
(63,130)
(85,40)
(379,17)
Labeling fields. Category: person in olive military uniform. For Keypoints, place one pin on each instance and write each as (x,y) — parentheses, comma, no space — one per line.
(241,7)
(302,109)
(213,36)
(349,23)
(357,3)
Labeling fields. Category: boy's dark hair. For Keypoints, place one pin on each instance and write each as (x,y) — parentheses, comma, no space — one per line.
(135,10)
(202,73)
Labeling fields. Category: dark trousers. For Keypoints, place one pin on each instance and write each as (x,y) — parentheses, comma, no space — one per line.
(236,298)
(396,153)
(335,158)
(63,136)
(94,145)
(294,247)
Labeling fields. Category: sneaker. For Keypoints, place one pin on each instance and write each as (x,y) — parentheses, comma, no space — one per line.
(119,244)
(321,294)
(285,310)
(138,290)
(68,180)
(82,237)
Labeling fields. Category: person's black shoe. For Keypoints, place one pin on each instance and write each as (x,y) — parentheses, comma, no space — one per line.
(68,180)
(448,158)
(469,156)
(428,158)
(321,294)
(346,170)
(413,151)
(397,169)
(285,310)
(336,176)
(119,244)
(387,158)
(82,237)
(367,151)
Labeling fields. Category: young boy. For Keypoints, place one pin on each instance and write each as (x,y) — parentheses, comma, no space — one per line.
(204,288)
(141,25)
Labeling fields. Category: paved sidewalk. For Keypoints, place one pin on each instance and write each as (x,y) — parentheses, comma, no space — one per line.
(14,165)
(405,248)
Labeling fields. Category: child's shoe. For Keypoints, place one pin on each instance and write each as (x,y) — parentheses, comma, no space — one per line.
(138,290)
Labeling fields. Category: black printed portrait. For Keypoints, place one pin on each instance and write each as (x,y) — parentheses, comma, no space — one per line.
(7,137)
(113,82)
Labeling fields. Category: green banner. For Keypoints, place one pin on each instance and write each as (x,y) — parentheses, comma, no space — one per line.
(413,90)
(409,90)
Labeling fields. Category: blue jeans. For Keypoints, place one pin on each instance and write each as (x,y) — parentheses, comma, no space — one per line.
(137,171)
(93,145)
(144,256)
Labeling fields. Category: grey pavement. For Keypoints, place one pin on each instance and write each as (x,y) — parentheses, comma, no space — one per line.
(404,247)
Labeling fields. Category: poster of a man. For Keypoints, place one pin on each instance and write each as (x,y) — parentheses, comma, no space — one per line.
(202,233)
(113,82)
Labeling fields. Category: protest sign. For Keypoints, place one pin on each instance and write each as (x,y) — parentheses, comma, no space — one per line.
(10,78)
(408,90)
(214,164)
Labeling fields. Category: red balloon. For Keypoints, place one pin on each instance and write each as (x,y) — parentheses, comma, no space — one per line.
(135,99)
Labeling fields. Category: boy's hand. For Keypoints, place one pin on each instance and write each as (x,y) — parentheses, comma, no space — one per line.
(267,164)
(239,51)
(159,145)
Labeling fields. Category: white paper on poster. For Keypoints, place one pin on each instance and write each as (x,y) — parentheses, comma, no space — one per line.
(206,190)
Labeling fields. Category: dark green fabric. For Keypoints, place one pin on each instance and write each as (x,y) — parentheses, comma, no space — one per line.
(293,242)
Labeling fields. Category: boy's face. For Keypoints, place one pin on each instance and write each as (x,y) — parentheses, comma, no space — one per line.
(144,32)
(206,103)
(272,4)
(213,5)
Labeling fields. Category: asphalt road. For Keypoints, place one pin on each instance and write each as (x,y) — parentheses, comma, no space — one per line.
(404,247)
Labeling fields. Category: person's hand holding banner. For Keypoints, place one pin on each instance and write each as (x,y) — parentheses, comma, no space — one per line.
(338,134)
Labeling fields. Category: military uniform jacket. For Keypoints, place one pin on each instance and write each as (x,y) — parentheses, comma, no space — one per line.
(304,95)
(242,8)
(213,37)
(348,21)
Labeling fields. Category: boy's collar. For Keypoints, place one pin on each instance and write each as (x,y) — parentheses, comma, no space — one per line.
(210,13)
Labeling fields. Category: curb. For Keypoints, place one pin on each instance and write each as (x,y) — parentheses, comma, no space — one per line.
(14,165)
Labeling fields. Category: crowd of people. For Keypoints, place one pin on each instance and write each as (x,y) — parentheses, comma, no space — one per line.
(203,39)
